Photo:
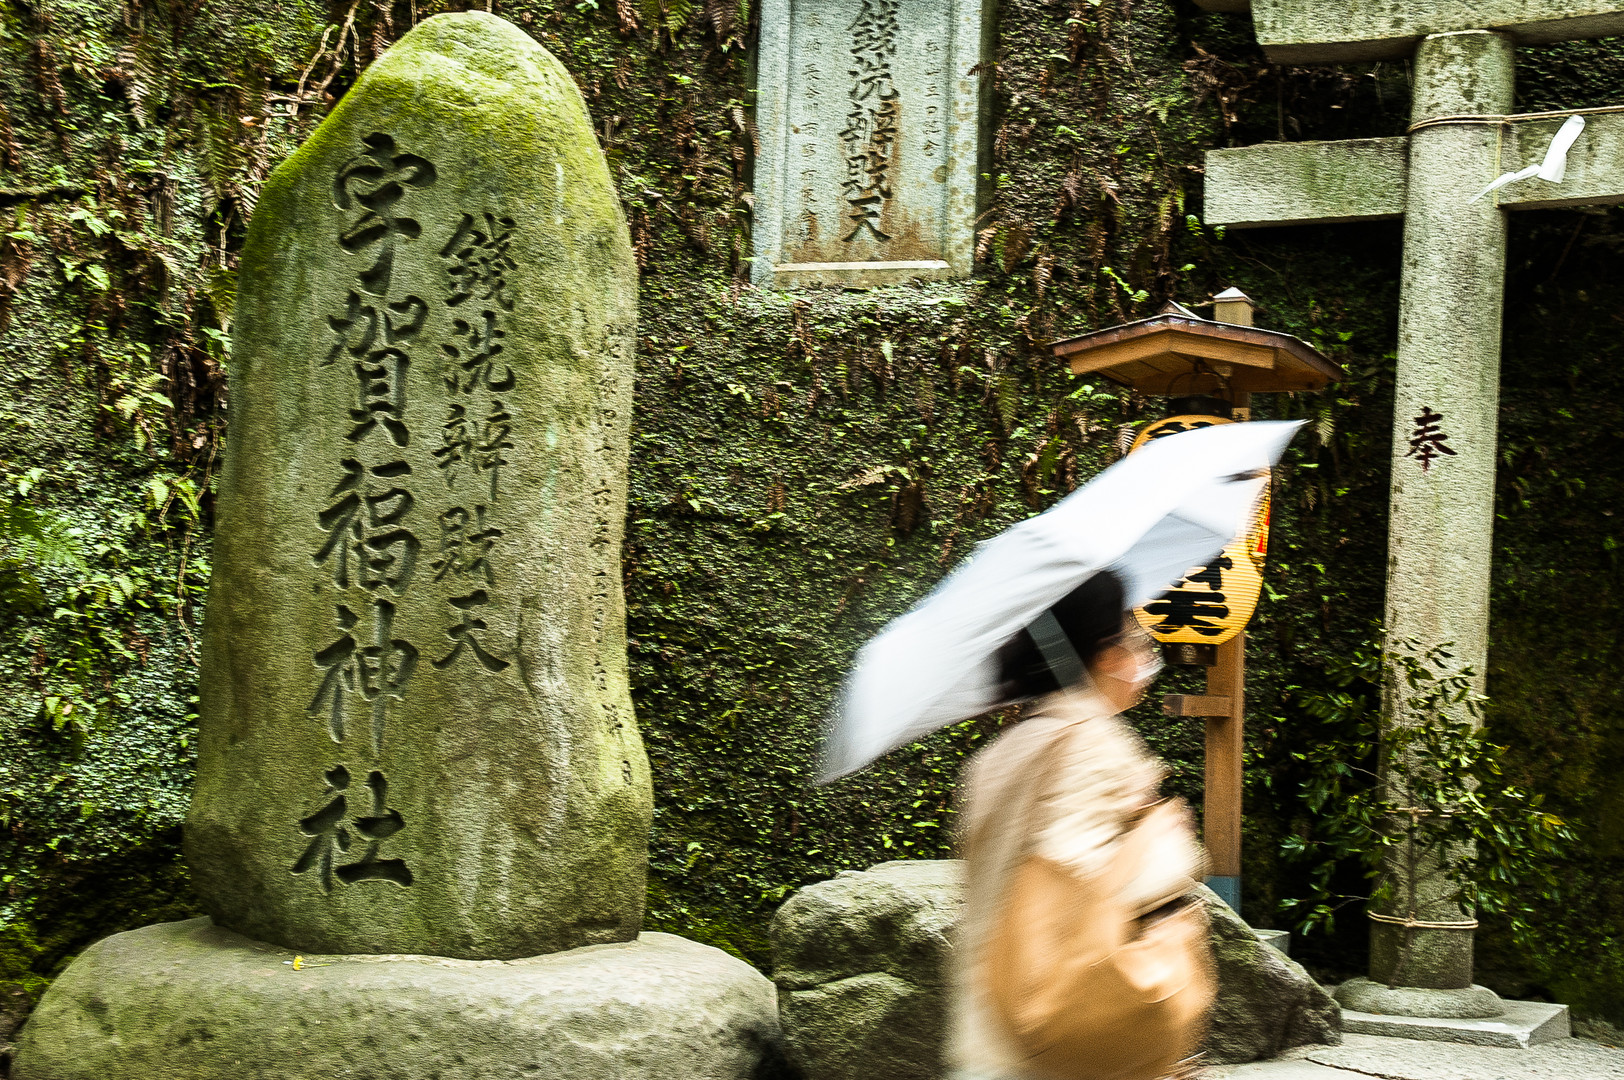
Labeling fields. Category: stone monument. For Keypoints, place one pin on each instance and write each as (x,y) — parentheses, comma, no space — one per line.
(418,755)
(869,113)
(1447,383)
(417,735)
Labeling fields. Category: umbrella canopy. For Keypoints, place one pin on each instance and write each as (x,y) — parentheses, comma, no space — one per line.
(1169,506)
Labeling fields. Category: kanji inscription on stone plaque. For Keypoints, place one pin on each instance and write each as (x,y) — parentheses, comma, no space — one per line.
(868,119)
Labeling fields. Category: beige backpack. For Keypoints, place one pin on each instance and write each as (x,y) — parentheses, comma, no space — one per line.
(1092,986)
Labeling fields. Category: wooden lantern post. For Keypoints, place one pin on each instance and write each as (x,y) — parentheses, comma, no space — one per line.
(1225,711)
(1176,354)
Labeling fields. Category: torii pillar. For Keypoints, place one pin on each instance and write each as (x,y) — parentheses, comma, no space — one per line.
(1447,382)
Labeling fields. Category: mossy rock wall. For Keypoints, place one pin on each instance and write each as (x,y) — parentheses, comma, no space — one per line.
(803,465)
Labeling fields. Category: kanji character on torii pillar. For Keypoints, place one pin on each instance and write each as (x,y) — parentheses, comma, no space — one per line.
(1461,138)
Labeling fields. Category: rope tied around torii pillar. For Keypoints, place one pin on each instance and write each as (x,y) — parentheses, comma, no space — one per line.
(1508,118)
(1409,921)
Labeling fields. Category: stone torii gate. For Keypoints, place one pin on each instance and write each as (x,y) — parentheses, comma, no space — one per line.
(1453,283)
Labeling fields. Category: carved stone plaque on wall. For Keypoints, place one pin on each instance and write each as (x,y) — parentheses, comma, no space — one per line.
(868,113)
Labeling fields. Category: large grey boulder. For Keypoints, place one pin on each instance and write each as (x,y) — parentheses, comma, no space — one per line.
(1267,1003)
(190,1001)
(861,963)
(415,730)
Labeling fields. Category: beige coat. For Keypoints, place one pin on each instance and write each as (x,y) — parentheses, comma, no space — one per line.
(1064,783)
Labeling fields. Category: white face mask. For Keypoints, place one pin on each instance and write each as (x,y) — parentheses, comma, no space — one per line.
(1149,661)
(1150,657)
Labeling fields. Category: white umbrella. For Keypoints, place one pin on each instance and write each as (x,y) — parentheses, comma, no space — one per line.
(1168,507)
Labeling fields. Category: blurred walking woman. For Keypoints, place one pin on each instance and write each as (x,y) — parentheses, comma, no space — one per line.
(1079,956)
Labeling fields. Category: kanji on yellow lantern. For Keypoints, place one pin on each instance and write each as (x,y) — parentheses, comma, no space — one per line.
(1212,603)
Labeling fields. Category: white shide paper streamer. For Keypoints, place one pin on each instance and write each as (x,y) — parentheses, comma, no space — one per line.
(1555,165)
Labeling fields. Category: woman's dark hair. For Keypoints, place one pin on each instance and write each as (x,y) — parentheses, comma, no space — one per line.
(1091,615)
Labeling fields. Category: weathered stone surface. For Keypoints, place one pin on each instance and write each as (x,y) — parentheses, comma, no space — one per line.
(1409,1057)
(1520,1025)
(861,966)
(1335,31)
(1309,182)
(861,963)
(416,732)
(1266,1002)
(1368,179)
(1465,1003)
(869,119)
(189,1001)
(1446,384)
(1595,164)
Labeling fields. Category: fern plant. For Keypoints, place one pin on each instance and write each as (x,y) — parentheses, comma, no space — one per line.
(32,539)
(668,15)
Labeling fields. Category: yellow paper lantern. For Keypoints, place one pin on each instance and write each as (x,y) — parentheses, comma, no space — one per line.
(1212,603)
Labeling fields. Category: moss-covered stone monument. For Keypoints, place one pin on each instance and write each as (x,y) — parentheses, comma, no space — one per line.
(419,757)
(416,733)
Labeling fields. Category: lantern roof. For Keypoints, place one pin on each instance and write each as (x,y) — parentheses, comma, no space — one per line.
(1178,353)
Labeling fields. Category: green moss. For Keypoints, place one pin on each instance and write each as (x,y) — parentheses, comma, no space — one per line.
(669,915)
(19,958)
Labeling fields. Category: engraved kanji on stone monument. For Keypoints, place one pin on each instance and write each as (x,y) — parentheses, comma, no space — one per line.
(868,113)
(416,730)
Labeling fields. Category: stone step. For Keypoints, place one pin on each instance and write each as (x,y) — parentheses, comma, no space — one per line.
(1524,1024)
(1362,1056)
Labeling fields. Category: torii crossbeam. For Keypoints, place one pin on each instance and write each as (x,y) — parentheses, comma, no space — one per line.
(1453,284)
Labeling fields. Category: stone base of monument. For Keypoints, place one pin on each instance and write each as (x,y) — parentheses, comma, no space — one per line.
(190,1001)
(1475,1015)
(1469,1003)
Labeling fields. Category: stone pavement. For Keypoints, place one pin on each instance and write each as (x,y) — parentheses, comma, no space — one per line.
(1411,1059)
